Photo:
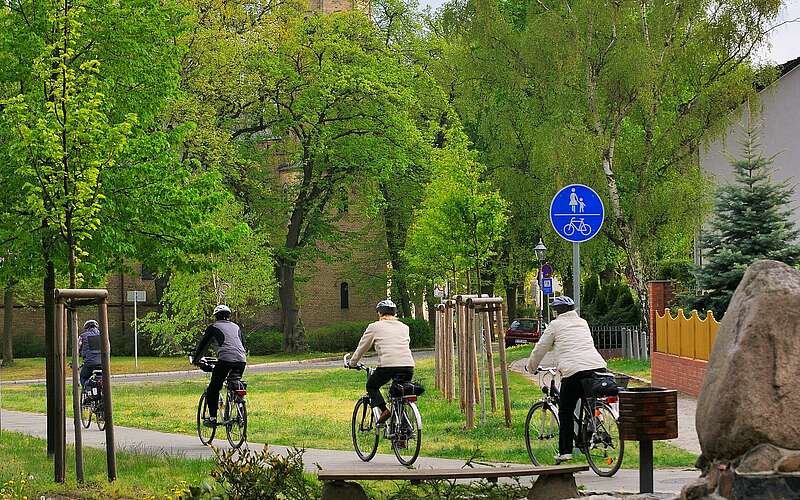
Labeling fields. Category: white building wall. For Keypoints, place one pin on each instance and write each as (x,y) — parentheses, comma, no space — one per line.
(778,110)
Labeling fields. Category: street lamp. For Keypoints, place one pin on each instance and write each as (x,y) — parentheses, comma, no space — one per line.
(541,253)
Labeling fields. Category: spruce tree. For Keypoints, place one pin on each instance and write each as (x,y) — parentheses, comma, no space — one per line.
(752,221)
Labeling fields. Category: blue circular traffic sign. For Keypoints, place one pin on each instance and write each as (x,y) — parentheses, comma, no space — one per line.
(577,213)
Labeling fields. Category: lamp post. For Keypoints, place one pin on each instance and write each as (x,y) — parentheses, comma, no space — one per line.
(541,254)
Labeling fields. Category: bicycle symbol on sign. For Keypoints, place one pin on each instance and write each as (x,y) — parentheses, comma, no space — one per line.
(577,224)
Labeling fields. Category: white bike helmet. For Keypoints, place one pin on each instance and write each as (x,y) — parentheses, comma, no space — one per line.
(386,307)
(89,323)
(221,308)
(563,300)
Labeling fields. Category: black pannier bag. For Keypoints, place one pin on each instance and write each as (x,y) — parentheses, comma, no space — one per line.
(600,385)
(403,389)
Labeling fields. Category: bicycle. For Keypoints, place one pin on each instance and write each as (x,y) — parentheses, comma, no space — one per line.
(596,437)
(233,409)
(403,428)
(581,227)
(92,401)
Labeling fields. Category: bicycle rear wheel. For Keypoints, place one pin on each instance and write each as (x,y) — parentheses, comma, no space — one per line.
(206,434)
(100,414)
(236,421)
(408,434)
(604,448)
(541,434)
(364,431)
(86,409)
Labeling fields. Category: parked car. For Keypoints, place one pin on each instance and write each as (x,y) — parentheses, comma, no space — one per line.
(523,331)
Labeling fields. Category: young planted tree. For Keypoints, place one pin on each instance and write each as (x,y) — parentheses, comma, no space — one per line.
(461,218)
(752,221)
(96,179)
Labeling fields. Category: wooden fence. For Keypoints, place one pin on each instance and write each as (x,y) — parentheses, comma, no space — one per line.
(690,337)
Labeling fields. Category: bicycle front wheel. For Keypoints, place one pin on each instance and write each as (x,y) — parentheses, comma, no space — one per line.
(206,434)
(408,433)
(604,448)
(236,422)
(364,430)
(541,434)
(86,409)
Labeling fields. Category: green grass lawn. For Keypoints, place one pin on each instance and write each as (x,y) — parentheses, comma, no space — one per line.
(635,367)
(27,472)
(33,368)
(313,409)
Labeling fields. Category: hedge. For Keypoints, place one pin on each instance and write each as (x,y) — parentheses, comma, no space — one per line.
(265,342)
(344,336)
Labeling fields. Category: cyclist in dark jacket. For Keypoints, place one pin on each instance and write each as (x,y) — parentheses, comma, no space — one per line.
(231,357)
(89,349)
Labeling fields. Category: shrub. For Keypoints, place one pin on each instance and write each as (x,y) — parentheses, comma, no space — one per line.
(344,336)
(338,337)
(420,332)
(250,474)
(264,342)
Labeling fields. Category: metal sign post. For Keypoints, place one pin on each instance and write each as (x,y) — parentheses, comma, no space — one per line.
(136,296)
(577,214)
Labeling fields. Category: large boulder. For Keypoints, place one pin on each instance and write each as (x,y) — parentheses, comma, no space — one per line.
(751,390)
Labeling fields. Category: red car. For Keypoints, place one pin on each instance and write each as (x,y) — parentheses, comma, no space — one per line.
(523,331)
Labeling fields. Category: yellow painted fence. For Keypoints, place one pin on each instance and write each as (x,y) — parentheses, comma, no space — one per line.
(690,337)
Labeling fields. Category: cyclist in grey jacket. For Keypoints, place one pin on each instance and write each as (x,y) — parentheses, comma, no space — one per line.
(231,357)
(89,349)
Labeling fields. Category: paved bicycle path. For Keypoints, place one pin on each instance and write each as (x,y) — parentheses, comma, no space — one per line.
(274,367)
(158,443)
(687,408)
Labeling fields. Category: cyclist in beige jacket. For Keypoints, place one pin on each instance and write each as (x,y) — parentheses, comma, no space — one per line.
(392,342)
(570,338)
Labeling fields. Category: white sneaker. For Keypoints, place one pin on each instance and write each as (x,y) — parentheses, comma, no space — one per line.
(563,458)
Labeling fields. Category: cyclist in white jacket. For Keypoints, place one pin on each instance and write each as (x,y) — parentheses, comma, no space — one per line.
(571,340)
(391,339)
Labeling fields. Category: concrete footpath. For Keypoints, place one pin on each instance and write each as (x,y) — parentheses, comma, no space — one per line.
(274,367)
(153,442)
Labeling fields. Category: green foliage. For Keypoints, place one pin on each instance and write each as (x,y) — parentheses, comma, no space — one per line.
(461,217)
(240,276)
(261,474)
(620,98)
(344,335)
(420,332)
(752,221)
(94,178)
(608,304)
(263,342)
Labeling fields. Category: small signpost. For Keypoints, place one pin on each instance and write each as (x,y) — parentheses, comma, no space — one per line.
(136,296)
(547,286)
(438,291)
(577,214)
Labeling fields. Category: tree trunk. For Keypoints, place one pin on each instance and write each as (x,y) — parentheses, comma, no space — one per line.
(511,300)
(395,242)
(8,324)
(48,287)
(431,302)
(294,338)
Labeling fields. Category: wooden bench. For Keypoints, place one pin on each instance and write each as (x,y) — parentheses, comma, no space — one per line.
(557,477)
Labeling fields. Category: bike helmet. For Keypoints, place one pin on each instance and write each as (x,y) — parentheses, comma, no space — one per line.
(89,323)
(562,300)
(222,310)
(386,308)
